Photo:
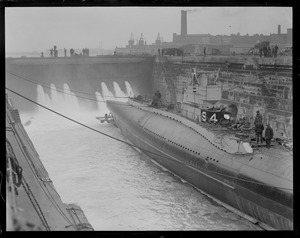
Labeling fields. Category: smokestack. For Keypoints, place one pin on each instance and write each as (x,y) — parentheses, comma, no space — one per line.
(279,30)
(183,22)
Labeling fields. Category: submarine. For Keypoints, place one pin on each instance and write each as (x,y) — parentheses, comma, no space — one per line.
(197,142)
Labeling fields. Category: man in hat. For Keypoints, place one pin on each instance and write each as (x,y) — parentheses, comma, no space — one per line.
(259,126)
(258,118)
(268,135)
(156,99)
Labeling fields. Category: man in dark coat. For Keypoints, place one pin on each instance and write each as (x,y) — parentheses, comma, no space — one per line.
(276,50)
(258,118)
(157,93)
(71,52)
(156,99)
(260,51)
(259,127)
(268,135)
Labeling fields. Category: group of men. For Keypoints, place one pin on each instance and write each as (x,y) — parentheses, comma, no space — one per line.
(259,128)
(258,122)
(268,51)
(85,52)
(54,52)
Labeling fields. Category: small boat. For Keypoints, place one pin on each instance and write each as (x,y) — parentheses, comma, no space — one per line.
(107,118)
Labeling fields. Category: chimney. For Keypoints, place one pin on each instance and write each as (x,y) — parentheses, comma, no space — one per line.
(279,30)
(183,22)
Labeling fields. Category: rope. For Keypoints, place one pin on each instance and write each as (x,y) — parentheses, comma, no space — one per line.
(73,210)
(58,208)
(52,200)
(33,169)
(41,216)
(47,179)
(144,150)
(58,89)
(62,91)
(38,208)
(14,164)
(1,186)
(79,123)
(170,83)
(24,151)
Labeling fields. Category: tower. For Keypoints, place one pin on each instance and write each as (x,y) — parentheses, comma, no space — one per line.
(141,41)
(158,40)
(279,30)
(289,39)
(183,23)
(131,41)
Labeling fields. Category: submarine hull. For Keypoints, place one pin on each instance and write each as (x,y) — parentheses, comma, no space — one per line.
(252,202)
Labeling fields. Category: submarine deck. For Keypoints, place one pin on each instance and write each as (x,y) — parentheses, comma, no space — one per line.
(277,161)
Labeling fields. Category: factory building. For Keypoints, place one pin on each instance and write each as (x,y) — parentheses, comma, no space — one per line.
(194,44)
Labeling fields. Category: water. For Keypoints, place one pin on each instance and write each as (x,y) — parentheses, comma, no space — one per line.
(43,97)
(101,101)
(116,186)
(120,95)
(129,89)
(107,95)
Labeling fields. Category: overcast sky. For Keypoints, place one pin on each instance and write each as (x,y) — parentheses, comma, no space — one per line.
(38,29)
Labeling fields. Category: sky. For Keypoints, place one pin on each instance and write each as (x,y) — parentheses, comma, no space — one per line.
(40,28)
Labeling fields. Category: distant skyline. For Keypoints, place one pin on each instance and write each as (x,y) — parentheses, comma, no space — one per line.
(40,28)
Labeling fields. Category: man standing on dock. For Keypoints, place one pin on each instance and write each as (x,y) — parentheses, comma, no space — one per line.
(269,135)
(276,50)
(259,130)
(260,51)
(258,118)
(55,51)
(259,126)
(156,99)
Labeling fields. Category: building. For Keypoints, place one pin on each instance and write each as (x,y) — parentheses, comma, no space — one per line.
(141,47)
(195,43)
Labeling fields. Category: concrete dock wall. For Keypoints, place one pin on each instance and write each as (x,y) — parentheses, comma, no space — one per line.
(81,75)
(146,74)
(168,71)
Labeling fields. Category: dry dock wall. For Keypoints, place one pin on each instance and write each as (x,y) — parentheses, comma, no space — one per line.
(169,70)
(80,74)
(146,74)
